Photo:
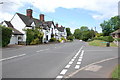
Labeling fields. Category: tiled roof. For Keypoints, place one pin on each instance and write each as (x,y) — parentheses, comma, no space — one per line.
(15,31)
(118,31)
(28,21)
(61,29)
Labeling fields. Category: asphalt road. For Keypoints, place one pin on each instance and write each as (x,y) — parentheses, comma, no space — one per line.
(55,60)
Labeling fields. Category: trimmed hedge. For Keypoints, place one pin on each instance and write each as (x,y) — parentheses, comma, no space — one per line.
(6,33)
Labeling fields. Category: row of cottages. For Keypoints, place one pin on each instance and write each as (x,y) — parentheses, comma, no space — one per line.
(19,22)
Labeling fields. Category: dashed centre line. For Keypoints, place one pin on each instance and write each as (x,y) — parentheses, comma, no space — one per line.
(77,66)
(63,72)
(68,66)
(78,62)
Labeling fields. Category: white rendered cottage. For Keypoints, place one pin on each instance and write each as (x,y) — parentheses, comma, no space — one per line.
(60,32)
(17,36)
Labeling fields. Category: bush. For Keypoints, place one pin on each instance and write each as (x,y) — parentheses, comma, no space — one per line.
(59,40)
(6,35)
(63,39)
(70,38)
(109,39)
(105,38)
(118,39)
(52,39)
(33,35)
(35,41)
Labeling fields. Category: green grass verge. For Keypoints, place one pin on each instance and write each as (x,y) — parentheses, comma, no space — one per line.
(116,73)
(100,43)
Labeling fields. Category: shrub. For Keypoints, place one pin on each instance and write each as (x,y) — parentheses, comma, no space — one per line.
(118,39)
(108,38)
(70,38)
(52,39)
(32,35)
(59,40)
(63,39)
(6,35)
(52,35)
(35,41)
(105,38)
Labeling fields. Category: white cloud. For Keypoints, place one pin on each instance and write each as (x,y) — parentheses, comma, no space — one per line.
(106,8)
(103,8)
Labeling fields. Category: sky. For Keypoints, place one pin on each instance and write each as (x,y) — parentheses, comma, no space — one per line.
(68,13)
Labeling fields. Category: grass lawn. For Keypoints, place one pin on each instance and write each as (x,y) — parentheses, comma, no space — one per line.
(101,43)
(116,73)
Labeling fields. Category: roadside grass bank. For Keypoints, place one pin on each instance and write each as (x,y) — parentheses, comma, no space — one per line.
(116,73)
(101,43)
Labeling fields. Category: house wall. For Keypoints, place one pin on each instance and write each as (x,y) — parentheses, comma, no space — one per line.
(19,25)
(14,39)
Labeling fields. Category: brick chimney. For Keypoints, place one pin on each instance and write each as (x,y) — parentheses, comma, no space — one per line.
(29,12)
(42,17)
(56,24)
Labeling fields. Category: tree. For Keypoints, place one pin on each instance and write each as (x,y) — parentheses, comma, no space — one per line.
(84,28)
(68,31)
(6,35)
(77,34)
(110,25)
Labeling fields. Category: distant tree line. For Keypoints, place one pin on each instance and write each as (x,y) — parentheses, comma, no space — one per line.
(84,33)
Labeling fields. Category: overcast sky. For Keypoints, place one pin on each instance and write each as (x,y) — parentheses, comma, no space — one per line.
(69,13)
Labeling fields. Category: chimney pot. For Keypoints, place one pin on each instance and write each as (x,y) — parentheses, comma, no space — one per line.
(41,17)
(29,12)
(56,24)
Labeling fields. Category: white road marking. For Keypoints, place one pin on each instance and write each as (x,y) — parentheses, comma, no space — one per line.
(70,62)
(80,59)
(59,77)
(93,68)
(72,74)
(68,66)
(12,57)
(78,62)
(77,66)
(82,53)
(72,59)
(42,50)
(63,71)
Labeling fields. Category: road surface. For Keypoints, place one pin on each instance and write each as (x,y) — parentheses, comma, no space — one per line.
(62,60)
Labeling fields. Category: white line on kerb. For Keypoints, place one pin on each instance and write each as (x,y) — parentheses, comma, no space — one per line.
(12,57)
(63,71)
